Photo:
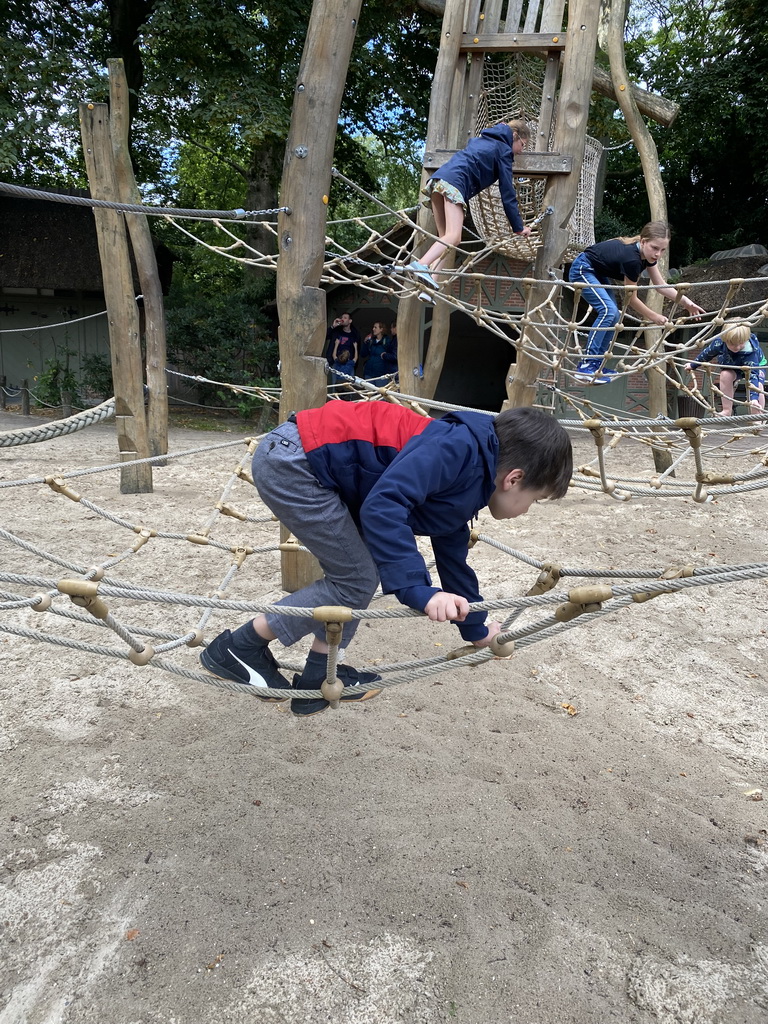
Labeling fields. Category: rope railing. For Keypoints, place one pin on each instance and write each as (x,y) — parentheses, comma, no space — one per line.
(22,192)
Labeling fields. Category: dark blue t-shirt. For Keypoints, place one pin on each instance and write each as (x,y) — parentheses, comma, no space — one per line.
(616,260)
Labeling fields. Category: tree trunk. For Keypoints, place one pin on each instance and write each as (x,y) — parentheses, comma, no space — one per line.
(614,14)
(121,305)
(263,183)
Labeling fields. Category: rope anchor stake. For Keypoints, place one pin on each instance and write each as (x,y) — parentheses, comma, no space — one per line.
(333,616)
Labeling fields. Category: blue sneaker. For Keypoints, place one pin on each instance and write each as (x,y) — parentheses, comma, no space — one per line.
(421,270)
(311,679)
(588,372)
(257,667)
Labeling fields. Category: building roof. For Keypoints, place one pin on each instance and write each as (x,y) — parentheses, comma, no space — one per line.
(50,245)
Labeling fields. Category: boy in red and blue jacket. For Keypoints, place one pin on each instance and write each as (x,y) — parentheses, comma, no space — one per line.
(356,483)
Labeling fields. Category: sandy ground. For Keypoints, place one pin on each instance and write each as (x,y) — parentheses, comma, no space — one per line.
(461,849)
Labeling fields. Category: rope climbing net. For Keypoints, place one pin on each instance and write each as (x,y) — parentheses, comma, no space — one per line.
(726,456)
(114,602)
(371,252)
(705,444)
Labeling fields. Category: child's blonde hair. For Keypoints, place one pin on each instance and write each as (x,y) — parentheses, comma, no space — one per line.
(653,229)
(521,128)
(736,333)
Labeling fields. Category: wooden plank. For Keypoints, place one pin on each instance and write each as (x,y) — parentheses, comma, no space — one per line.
(513,21)
(548,100)
(512,42)
(552,16)
(122,314)
(528,164)
(532,15)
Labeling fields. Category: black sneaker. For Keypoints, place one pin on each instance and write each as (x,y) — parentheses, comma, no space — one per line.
(259,670)
(311,679)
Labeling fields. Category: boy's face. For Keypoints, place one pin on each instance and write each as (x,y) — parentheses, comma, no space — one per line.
(511,498)
(518,145)
(735,346)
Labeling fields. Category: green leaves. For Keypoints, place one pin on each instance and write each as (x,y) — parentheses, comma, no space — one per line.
(711,57)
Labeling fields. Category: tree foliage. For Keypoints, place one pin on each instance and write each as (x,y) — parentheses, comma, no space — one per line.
(711,57)
(212,81)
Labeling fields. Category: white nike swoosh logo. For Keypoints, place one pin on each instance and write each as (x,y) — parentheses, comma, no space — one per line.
(254,679)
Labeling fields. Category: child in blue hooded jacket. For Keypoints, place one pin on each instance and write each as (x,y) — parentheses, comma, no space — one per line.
(737,351)
(356,483)
(485,160)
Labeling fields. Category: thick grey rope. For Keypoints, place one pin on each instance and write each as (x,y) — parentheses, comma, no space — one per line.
(58,428)
(656,586)
(151,211)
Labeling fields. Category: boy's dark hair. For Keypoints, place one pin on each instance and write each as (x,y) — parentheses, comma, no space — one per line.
(535,442)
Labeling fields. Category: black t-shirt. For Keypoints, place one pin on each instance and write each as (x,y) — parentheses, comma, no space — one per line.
(616,260)
(346,341)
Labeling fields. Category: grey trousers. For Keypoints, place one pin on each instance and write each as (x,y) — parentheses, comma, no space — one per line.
(322,523)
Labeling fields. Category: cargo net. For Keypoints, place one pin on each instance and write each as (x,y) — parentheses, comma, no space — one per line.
(512,89)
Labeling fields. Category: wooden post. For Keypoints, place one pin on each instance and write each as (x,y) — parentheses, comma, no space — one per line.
(441,134)
(122,314)
(562,189)
(615,19)
(25,397)
(146,263)
(301,234)
(3,403)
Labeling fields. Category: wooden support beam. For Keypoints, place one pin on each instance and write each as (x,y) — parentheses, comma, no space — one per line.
(561,192)
(512,42)
(301,234)
(446,96)
(657,200)
(527,164)
(122,314)
(146,262)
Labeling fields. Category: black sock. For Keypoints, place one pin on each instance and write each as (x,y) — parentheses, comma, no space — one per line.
(246,638)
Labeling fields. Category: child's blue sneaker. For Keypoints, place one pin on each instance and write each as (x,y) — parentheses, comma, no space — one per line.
(311,679)
(421,270)
(588,372)
(255,667)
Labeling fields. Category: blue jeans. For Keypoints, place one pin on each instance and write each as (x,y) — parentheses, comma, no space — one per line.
(321,521)
(349,368)
(601,300)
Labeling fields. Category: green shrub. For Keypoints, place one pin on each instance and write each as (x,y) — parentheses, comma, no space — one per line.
(224,338)
(57,377)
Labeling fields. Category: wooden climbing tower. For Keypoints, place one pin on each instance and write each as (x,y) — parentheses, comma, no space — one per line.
(563,36)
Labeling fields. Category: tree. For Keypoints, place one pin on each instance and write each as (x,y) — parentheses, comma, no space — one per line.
(712,58)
